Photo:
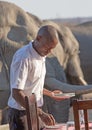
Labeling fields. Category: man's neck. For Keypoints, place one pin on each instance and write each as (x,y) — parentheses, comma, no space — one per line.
(35,47)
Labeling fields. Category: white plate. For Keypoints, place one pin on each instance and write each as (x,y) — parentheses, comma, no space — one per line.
(52,127)
(66,94)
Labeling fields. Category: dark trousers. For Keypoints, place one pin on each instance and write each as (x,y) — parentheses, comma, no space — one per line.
(17,119)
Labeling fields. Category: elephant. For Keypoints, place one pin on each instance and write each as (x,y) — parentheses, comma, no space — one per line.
(63,68)
(67,53)
(63,64)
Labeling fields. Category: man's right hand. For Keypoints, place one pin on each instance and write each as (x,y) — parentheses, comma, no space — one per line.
(48,119)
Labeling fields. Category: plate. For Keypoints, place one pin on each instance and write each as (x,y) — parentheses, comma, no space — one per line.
(65,94)
(52,127)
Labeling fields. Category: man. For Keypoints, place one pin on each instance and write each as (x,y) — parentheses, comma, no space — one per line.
(27,75)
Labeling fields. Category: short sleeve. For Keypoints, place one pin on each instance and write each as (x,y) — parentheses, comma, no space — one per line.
(18,74)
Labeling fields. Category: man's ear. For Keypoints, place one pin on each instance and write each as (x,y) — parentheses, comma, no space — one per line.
(38,38)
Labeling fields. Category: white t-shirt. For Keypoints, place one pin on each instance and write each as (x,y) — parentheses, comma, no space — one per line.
(27,73)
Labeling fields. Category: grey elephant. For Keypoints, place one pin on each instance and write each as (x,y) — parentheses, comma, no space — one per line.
(17,28)
(63,64)
(67,53)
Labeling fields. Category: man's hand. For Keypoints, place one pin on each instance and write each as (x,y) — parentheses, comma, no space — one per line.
(48,119)
(57,95)
(57,92)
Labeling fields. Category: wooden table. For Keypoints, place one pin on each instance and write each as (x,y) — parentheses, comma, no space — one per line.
(67,126)
(57,127)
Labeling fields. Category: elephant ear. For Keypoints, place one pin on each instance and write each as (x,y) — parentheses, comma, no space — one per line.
(17,23)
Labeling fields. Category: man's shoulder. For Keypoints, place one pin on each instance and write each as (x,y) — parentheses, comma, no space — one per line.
(22,54)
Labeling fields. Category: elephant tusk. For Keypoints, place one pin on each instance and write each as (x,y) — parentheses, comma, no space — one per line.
(83,81)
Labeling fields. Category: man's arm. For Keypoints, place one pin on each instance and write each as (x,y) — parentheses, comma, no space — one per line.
(52,94)
(19,96)
(47,92)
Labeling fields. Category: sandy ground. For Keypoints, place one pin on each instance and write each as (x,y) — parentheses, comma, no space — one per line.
(4,127)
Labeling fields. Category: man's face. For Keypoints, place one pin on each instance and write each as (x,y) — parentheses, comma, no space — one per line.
(45,47)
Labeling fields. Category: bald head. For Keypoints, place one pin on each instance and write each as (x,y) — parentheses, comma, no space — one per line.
(48,32)
(46,40)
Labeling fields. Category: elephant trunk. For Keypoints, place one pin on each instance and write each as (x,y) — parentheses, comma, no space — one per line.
(52,84)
